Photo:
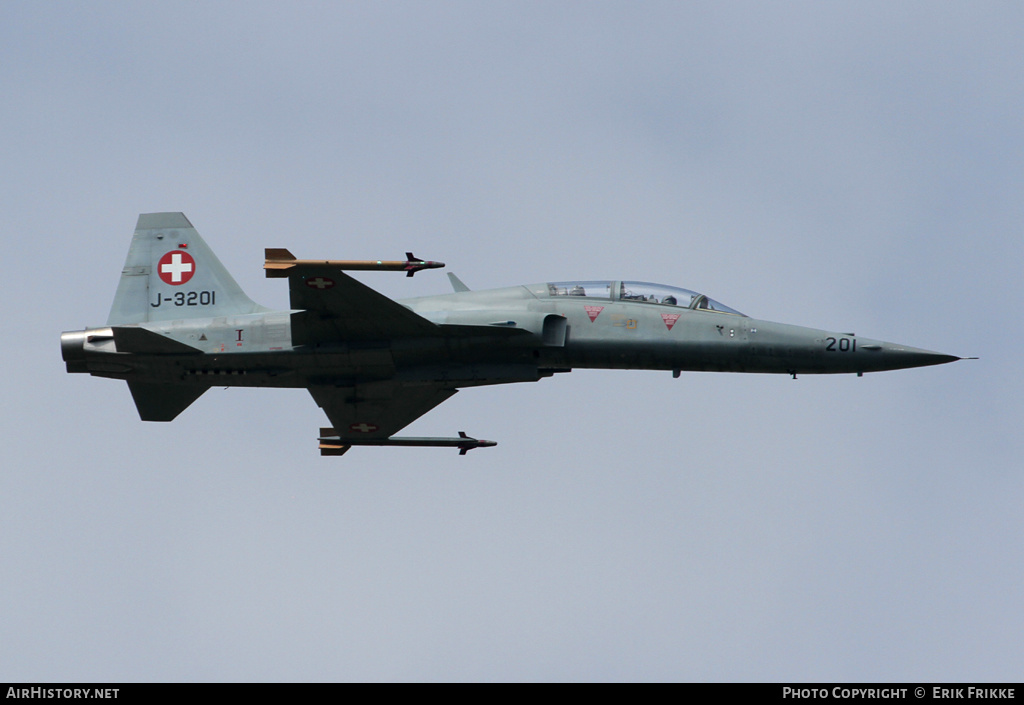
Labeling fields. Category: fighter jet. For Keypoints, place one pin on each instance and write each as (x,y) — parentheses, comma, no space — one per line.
(180,324)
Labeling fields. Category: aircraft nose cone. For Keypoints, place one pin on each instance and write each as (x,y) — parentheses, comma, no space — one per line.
(923,358)
(896,357)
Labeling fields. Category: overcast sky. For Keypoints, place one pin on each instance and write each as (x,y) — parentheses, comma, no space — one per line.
(852,166)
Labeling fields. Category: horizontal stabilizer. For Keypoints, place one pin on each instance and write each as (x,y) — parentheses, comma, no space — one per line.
(332,444)
(163,402)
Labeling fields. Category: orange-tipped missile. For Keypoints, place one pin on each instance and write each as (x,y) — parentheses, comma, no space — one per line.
(281,263)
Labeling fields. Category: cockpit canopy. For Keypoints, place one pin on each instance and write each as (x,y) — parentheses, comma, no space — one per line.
(644,292)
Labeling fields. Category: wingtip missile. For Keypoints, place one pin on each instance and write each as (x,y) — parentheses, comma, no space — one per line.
(413,264)
(467,444)
(280,263)
(332,444)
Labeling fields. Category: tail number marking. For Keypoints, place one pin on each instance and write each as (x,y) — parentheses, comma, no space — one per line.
(841,344)
(186,298)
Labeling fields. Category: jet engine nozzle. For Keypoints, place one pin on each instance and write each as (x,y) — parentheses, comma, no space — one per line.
(76,343)
(72,350)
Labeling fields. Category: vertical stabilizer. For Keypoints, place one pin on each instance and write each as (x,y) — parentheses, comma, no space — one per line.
(171,274)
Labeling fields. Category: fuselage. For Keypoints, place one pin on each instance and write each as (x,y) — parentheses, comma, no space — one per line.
(520,333)
(635,325)
(180,324)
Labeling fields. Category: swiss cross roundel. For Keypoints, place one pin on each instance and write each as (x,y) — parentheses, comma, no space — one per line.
(176,267)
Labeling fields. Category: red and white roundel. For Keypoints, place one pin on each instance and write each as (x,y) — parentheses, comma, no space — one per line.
(320,283)
(176,267)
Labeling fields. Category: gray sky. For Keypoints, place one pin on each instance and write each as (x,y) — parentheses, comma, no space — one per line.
(850,166)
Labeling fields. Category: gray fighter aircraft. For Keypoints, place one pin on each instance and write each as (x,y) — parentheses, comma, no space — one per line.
(181,324)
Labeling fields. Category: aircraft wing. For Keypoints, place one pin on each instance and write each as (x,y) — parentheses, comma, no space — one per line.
(333,306)
(376,410)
